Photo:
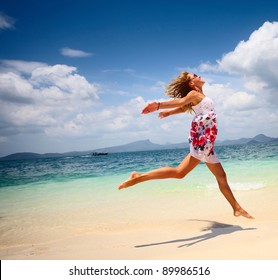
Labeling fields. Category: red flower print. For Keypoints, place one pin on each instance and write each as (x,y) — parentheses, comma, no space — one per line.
(207,132)
(214,130)
(202,140)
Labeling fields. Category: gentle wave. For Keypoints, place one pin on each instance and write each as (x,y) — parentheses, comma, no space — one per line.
(236,186)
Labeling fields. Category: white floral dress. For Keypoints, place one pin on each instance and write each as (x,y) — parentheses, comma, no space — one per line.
(203,132)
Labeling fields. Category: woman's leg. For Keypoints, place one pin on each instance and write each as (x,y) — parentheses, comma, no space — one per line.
(178,172)
(219,173)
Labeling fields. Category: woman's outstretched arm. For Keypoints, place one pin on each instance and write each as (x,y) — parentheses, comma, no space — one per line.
(175,103)
(167,113)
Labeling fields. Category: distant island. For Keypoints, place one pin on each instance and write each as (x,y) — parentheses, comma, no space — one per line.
(143,145)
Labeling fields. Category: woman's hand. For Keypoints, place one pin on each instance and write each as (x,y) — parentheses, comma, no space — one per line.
(151,107)
(164,114)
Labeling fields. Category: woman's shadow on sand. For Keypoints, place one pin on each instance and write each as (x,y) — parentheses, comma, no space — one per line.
(214,229)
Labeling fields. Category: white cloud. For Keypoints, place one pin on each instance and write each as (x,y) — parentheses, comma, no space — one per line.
(57,102)
(36,96)
(74,53)
(19,66)
(207,67)
(256,61)
(6,22)
(241,101)
(122,119)
(260,50)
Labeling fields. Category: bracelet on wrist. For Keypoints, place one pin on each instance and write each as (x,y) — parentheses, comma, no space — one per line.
(158,105)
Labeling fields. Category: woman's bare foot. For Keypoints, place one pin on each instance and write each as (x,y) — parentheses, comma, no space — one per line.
(241,212)
(131,180)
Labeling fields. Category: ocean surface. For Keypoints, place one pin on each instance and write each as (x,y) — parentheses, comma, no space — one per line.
(51,198)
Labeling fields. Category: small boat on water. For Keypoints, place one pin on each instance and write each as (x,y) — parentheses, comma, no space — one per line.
(99,154)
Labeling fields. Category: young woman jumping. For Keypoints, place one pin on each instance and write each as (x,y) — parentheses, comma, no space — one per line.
(187,93)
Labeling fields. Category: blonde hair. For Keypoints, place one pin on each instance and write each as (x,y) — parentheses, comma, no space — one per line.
(179,88)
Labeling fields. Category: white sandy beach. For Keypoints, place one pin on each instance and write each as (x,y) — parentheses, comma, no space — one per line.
(203,228)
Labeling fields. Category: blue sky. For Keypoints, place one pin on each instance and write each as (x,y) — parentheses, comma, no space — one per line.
(74,75)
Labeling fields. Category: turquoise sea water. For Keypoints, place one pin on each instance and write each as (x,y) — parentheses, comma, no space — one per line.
(253,161)
(46,199)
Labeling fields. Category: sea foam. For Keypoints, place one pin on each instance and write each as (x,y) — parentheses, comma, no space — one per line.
(241,186)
